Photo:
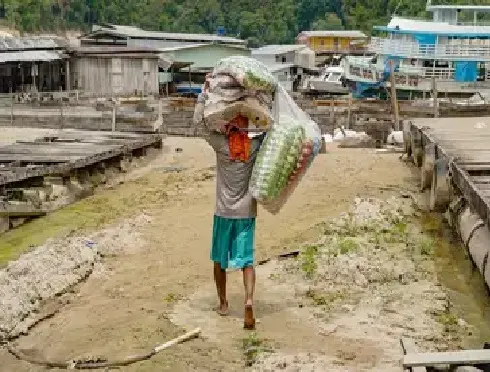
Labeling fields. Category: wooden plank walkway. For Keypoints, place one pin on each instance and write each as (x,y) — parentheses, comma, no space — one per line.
(464,143)
(33,168)
(67,150)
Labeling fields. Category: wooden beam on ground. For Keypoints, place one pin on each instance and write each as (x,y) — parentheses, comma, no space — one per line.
(39,159)
(20,210)
(458,358)
(409,347)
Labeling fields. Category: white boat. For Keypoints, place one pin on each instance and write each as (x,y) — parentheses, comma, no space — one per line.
(453,53)
(330,81)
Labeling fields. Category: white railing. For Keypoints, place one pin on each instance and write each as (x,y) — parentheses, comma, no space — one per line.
(477,24)
(439,51)
(368,72)
(439,73)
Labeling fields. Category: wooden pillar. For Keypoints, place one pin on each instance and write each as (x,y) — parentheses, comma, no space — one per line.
(62,120)
(435,97)
(33,73)
(67,76)
(349,112)
(394,100)
(22,77)
(113,128)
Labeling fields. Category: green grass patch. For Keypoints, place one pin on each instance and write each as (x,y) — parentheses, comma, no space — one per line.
(172,298)
(252,346)
(426,247)
(324,298)
(347,245)
(94,212)
(308,261)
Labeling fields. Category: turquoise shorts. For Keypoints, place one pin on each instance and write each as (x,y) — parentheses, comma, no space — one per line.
(233,242)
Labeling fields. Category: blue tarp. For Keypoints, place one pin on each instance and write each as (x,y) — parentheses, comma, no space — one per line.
(361,89)
(425,39)
(387,68)
(466,71)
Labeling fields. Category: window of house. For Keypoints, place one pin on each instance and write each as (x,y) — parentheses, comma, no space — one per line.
(283,59)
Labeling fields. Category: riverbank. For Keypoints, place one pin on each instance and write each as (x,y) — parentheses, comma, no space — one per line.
(343,303)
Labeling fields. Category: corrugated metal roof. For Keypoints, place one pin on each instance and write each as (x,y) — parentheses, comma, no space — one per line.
(277,49)
(112,50)
(478,8)
(193,46)
(30,56)
(130,31)
(339,33)
(166,63)
(28,43)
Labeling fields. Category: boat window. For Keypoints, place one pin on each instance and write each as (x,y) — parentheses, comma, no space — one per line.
(334,76)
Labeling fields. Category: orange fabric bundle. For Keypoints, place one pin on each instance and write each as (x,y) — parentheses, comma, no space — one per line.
(238,141)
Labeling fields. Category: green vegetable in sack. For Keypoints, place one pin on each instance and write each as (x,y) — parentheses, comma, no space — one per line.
(277,159)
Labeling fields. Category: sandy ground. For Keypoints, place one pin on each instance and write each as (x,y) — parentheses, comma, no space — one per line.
(162,286)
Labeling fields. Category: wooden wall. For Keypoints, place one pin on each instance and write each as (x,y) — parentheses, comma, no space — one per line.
(116,76)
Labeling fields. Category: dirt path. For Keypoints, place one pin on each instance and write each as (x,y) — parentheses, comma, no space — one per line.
(151,292)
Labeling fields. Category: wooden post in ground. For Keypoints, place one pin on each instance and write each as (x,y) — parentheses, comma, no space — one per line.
(113,115)
(394,100)
(349,111)
(11,108)
(61,107)
(435,97)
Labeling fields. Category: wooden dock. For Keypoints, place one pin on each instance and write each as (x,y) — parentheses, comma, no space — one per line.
(460,146)
(453,155)
(34,172)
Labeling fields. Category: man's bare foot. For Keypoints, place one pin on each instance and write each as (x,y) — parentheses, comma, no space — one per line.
(249,320)
(222,309)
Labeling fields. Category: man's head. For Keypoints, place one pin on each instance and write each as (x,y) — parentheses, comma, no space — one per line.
(237,122)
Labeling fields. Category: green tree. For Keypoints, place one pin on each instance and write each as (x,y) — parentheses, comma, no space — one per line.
(260,22)
(330,22)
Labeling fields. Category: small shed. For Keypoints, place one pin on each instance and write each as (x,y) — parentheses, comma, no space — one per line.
(287,74)
(300,55)
(31,64)
(119,71)
(333,41)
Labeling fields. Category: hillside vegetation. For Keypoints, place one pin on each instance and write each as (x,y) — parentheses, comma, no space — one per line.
(261,22)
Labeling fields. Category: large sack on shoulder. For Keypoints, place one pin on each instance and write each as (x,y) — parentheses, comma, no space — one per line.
(216,112)
(250,73)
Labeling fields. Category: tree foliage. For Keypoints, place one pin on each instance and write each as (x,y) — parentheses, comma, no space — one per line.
(261,22)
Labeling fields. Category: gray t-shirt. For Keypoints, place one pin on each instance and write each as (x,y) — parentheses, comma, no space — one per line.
(233,198)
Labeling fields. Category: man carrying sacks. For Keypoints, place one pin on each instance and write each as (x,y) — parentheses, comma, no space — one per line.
(233,242)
